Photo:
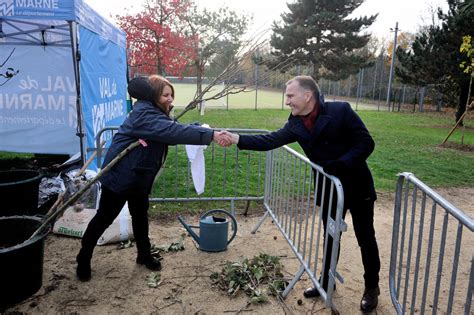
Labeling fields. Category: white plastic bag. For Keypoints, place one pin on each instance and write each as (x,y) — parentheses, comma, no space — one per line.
(74,223)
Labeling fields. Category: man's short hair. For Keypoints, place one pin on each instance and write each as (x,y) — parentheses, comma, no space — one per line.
(307,83)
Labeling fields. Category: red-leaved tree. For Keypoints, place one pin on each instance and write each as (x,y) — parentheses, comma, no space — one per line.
(154,42)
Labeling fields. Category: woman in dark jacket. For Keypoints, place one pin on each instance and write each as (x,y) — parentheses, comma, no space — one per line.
(132,178)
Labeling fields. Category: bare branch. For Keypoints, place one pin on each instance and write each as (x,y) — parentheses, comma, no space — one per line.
(227,76)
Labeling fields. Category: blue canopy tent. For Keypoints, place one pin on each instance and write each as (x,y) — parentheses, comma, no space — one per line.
(63,76)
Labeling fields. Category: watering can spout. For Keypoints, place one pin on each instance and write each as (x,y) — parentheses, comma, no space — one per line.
(189,229)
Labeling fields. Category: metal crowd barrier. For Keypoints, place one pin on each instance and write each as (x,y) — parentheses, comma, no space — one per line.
(103,136)
(297,192)
(432,260)
(229,173)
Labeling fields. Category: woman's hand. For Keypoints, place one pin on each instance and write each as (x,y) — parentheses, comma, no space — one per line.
(224,138)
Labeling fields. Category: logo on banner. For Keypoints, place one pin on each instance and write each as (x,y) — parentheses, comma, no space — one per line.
(6,8)
(110,107)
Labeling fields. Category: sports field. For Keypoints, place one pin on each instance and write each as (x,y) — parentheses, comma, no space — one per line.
(264,98)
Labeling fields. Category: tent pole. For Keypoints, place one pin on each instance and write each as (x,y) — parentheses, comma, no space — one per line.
(75,59)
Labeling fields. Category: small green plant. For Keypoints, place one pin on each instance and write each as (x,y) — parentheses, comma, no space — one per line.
(258,277)
(173,247)
(125,244)
(153,279)
(468,49)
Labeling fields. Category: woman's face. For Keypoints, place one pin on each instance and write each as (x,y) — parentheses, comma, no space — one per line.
(166,97)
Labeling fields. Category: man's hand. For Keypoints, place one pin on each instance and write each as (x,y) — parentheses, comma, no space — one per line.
(333,167)
(222,138)
(234,137)
(225,138)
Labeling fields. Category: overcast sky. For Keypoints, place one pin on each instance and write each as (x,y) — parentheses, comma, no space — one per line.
(410,14)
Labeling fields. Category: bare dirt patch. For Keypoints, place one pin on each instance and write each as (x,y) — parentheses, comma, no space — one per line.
(458,146)
(449,127)
(118,284)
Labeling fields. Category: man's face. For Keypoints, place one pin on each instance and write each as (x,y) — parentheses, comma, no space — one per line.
(298,99)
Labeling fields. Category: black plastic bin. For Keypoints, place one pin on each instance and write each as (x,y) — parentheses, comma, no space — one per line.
(21,264)
(19,192)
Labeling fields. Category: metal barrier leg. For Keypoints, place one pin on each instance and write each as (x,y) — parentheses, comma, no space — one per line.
(232,207)
(470,289)
(295,279)
(259,223)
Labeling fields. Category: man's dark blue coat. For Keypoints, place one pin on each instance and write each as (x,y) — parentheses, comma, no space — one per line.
(338,134)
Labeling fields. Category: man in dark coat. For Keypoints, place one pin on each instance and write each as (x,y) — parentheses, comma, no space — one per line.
(333,136)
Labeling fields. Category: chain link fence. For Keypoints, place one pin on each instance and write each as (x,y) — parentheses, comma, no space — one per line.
(368,88)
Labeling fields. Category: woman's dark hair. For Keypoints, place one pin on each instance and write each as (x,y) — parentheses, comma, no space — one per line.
(140,89)
(158,83)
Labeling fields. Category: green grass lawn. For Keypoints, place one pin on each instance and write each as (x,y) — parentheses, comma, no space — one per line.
(405,142)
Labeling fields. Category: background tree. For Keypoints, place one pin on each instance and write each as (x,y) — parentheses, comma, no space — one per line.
(154,42)
(434,56)
(404,41)
(219,62)
(467,66)
(320,34)
(416,64)
(467,7)
(216,38)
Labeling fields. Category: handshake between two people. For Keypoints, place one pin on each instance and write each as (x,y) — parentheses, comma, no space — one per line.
(225,138)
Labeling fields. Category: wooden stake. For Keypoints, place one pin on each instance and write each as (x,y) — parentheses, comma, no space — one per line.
(459,121)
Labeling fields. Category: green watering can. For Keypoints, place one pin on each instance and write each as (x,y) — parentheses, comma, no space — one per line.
(214,231)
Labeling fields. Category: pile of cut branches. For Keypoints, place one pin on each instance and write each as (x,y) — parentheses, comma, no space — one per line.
(258,277)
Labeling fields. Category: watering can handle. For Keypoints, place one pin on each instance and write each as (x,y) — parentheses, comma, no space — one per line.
(234,221)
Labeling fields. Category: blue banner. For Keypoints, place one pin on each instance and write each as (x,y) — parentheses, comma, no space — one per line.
(91,20)
(38,9)
(103,69)
(37,100)
(43,14)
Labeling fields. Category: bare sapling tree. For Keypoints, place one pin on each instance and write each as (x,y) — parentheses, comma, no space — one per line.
(467,67)
(210,92)
(229,75)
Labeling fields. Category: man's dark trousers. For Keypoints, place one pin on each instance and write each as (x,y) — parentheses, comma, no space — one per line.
(362,213)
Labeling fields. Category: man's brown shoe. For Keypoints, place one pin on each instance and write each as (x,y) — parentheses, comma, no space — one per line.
(369,300)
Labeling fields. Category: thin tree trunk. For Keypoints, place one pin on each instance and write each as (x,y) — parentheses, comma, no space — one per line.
(199,71)
(463,99)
